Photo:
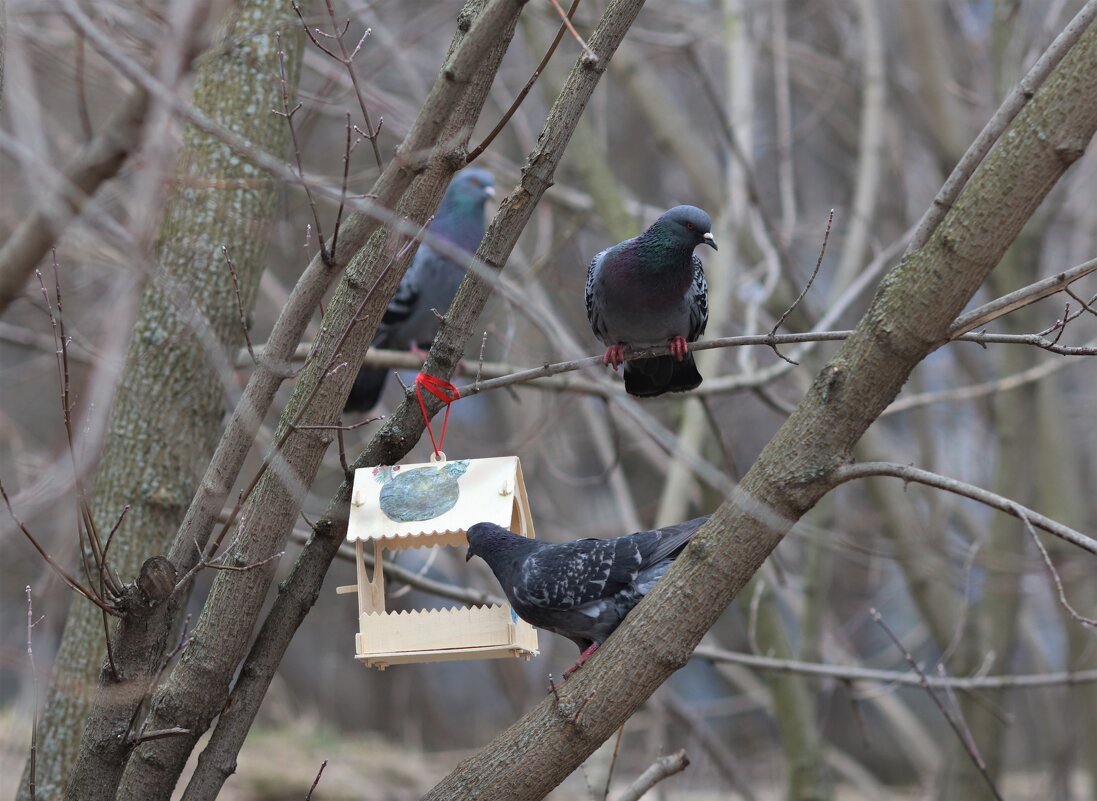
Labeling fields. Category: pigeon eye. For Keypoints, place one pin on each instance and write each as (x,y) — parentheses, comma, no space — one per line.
(689,226)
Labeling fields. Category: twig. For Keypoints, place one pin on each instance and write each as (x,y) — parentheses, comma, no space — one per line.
(347,60)
(613,762)
(316,781)
(1012,381)
(850,674)
(81,89)
(32,768)
(979,317)
(159,734)
(480,148)
(71,582)
(849,472)
(287,113)
(956,724)
(804,291)
(342,190)
(1021,513)
(239,303)
(662,768)
(480,363)
(1086,305)
(589,55)
(351,427)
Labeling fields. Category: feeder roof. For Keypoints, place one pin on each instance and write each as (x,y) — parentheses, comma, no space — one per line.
(455,494)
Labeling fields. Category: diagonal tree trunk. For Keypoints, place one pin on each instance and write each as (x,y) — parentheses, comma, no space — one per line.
(166,416)
(908,319)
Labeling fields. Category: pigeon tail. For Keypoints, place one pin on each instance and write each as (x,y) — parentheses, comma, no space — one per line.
(366,391)
(647,378)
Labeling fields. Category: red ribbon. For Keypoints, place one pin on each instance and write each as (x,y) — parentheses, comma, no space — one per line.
(445,392)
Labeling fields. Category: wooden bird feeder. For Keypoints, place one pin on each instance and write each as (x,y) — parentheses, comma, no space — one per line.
(425,506)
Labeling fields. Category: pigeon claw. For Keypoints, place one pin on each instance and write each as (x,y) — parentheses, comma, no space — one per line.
(615,355)
(678,347)
(583,657)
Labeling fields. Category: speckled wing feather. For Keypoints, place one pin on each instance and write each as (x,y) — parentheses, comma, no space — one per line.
(698,312)
(594,309)
(579,573)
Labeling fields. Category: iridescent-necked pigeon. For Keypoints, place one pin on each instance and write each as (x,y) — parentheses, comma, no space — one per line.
(650,291)
(583,589)
(430,282)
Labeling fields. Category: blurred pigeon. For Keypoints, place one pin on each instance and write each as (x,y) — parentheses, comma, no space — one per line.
(581,590)
(430,282)
(650,291)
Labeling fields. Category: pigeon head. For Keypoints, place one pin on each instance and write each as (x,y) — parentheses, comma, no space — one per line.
(685,225)
(489,541)
(460,216)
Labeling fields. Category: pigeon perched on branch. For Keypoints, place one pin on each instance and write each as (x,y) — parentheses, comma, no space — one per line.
(650,291)
(430,282)
(581,590)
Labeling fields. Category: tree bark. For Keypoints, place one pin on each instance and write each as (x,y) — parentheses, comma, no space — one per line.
(404,427)
(166,415)
(197,688)
(908,318)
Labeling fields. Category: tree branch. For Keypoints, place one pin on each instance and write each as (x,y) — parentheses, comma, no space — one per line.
(850,472)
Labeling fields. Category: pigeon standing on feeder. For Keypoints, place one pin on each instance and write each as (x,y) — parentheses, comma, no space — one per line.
(581,590)
(650,291)
(430,282)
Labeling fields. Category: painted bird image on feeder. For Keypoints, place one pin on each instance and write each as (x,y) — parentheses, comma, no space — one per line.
(423,493)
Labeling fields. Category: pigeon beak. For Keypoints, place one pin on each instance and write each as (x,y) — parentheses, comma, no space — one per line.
(708,240)
(468,554)
(489,191)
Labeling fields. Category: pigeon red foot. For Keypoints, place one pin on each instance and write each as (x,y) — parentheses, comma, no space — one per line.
(583,657)
(615,355)
(678,347)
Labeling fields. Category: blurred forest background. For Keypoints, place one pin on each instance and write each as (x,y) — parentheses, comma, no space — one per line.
(768,114)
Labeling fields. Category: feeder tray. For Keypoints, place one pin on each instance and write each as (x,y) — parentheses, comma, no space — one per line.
(429,505)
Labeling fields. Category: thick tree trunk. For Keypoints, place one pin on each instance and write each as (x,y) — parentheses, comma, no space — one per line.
(908,318)
(166,416)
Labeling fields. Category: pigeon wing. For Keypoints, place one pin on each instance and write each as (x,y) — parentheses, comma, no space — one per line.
(594,305)
(698,302)
(576,574)
(669,541)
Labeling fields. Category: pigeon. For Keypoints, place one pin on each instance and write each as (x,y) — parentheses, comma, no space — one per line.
(430,282)
(583,589)
(650,291)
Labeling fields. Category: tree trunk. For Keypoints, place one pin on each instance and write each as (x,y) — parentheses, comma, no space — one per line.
(908,318)
(166,416)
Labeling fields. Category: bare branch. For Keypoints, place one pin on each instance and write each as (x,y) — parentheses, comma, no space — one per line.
(976,318)
(849,673)
(480,148)
(32,770)
(956,723)
(71,582)
(239,303)
(590,56)
(807,286)
(1086,621)
(850,472)
(316,781)
(662,768)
